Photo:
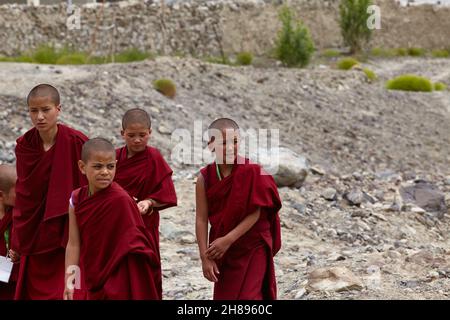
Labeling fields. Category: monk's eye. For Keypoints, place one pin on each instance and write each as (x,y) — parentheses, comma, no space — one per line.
(97,167)
(33,110)
(142,135)
(111,166)
(46,110)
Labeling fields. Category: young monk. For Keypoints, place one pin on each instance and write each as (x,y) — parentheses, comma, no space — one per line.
(241,204)
(107,232)
(7,198)
(144,174)
(47,173)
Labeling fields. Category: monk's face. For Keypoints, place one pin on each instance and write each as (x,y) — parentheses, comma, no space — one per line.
(226,146)
(136,137)
(99,169)
(44,113)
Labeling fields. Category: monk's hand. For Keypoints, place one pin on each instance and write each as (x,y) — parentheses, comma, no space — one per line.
(145,206)
(210,269)
(14,256)
(217,248)
(68,294)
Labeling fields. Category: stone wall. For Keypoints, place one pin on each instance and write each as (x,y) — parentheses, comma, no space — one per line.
(206,27)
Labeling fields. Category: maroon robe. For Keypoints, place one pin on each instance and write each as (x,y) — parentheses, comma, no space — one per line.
(7,289)
(119,252)
(45,180)
(147,175)
(247,269)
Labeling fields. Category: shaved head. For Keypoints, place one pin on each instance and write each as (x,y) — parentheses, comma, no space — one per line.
(96,145)
(217,127)
(8,177)
(136,115)
(44,90)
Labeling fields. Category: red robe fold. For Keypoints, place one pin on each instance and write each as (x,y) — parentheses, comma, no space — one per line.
(119,254)
(147,175)
(247,269)
(45,180)
(7,289)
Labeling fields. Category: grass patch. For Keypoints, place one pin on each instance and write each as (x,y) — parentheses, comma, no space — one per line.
(440,53)
(244,59)
(330,53)
(410,82)
(416,52)
(47,54)
(166,87)
(439,86)
(370,74)
(347,63)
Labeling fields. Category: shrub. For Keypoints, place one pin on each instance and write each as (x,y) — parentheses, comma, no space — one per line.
(353,23)
(131,55)
(401,52)
(294,44)
(347,63)
(165,87)
(47,54)
(410,82)
(439,86)
(416,52)
(244,59)
(331,53)
(370,74)
(441,53)
(74,58)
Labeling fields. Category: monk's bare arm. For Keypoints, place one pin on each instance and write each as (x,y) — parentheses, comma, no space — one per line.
(209,267)
(72,252)
(219,246)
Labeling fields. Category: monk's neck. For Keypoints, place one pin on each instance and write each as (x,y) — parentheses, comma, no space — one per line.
(225,169)
(48,137)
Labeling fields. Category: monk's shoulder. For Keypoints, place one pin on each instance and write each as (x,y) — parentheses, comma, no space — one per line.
(27,137)
(155,154)
(74,134)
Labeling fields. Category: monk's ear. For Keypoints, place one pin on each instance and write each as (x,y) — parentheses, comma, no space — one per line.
(81,166)
(122,133)
(2,196)
(150,131)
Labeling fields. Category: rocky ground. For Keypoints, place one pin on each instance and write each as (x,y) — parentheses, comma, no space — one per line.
(367,149)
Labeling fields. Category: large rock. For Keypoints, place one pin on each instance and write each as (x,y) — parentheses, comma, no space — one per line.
(287,167)
(424,195)
(333,279)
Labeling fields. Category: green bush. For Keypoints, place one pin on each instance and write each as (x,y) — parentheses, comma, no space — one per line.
(165,87)
(353,23)
(440,53)
(47,54)
(401,52)
(244,59)
(74,58)
(347,63)
(294,44)
(370,74)
(416,52)
(410,82)
(439,86)
(330,53)
(131,55)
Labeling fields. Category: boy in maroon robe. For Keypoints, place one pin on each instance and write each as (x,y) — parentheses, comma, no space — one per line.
(144,174)
(7,198)
(107,233)
(241,203)
(47,173)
